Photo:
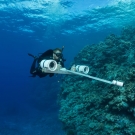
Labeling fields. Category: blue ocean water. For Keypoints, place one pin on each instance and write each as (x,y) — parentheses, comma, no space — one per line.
(28,106)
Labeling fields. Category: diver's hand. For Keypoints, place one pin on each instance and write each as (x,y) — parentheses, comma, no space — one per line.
(58,67)
(73,68)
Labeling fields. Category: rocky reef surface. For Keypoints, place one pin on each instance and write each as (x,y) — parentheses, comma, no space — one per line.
(90,107)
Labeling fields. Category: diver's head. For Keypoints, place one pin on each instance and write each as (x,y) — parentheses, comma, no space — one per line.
(57,54)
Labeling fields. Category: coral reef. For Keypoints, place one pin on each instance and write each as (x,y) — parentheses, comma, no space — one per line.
(90,107)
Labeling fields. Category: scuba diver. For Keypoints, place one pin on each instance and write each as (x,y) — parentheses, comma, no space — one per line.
(55,54)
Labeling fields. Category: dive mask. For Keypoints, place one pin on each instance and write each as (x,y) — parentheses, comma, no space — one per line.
(58,55)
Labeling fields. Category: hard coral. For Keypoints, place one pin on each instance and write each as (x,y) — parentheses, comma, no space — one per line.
(89,107)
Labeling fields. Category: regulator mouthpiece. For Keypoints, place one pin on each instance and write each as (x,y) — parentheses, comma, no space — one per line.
(82,69)
(50,65)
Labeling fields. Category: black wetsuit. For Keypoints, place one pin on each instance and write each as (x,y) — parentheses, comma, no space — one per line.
(37,70)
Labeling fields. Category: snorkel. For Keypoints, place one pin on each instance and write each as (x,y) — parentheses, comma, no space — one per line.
(62,51)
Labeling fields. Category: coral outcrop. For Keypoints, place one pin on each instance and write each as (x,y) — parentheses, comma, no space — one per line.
(90,107)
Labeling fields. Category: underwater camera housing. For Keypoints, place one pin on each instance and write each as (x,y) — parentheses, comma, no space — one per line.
(49,65)
(82,68)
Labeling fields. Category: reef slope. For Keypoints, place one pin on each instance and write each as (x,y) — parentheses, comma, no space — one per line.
(90,107)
